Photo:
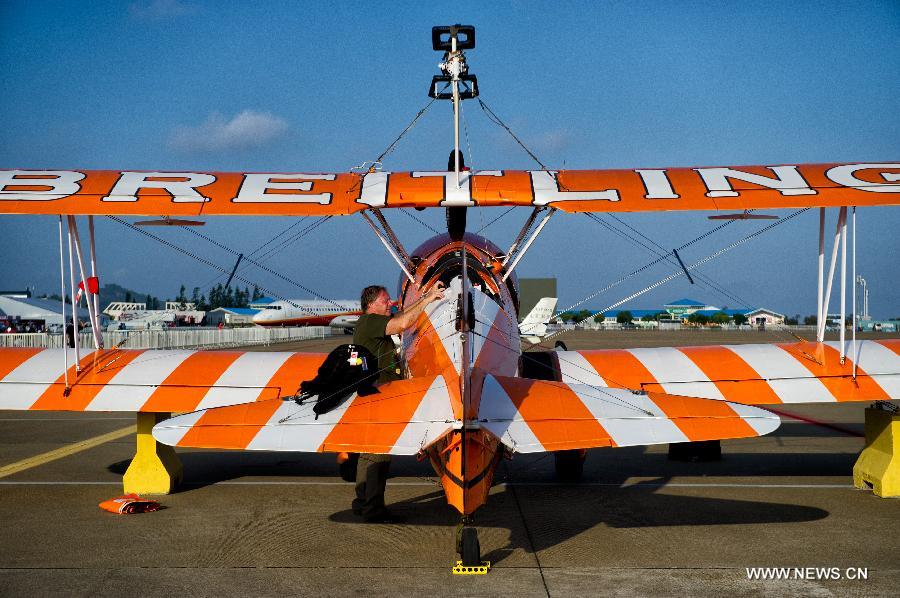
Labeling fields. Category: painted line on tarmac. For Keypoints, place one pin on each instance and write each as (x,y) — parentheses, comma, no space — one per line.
(518,484)
(65,451)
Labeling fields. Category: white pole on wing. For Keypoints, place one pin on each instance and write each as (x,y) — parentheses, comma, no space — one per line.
(62,299)
(94,272)
(830,283)
(843,281)
(819,313)
(92,316)
(74,306)
(855,347)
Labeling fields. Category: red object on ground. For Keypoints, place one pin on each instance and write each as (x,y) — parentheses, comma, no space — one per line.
(129,505)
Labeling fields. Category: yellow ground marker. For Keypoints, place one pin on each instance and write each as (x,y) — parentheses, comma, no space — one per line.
(65,451)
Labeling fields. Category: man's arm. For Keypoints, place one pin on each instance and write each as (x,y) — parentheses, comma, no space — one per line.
(406,318)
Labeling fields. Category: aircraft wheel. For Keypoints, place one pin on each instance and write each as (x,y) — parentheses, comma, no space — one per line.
(470,549)
(569,465)
(348,467)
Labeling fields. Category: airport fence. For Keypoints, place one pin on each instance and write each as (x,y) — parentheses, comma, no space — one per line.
(171,338)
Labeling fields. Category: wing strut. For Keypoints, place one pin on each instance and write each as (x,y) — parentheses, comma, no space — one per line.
(391,243)
(521,253)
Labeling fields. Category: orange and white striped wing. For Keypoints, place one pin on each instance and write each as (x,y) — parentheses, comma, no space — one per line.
(530,416)
(106,192)
(402,418)
(148,380)
(749,374)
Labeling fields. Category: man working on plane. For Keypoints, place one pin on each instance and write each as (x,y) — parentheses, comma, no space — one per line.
(373,331)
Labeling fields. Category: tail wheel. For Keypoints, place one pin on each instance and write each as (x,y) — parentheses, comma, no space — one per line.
(569,465)
(348,467)
(470,550)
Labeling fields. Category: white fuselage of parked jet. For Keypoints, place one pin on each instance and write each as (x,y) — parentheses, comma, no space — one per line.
(297,312)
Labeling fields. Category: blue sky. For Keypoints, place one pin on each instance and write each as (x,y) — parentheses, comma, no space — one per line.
(269,86)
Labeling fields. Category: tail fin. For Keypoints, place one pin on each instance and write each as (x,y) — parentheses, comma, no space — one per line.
(535,323)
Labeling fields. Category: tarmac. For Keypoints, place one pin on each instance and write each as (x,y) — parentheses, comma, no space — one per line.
(276,524)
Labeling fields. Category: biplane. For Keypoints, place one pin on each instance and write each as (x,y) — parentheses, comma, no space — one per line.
(470,396)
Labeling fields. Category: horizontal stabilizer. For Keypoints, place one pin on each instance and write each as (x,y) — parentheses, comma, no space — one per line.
(531,416)
(401,418)
(769,374)
(161,381)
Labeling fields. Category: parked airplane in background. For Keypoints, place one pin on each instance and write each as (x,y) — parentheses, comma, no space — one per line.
(296,312)
(534,327)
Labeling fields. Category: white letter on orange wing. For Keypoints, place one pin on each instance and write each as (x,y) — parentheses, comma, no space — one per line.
(62,183)
(183,188)
(844,175)
(788,181)
(254,187)
(657,184)
(547,191)
(453,195)
(374,189)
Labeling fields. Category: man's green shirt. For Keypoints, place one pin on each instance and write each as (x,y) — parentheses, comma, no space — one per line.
(371,333)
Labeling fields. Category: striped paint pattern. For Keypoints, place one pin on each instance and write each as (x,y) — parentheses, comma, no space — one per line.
(802,372)
(531,416)
(402,418)
(148,381)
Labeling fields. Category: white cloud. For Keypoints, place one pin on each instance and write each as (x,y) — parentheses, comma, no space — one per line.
(157,10)
(247,129)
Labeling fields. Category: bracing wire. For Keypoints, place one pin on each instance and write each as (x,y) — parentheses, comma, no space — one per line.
(203,260)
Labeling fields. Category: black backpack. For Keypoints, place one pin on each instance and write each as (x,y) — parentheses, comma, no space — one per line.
(348,369)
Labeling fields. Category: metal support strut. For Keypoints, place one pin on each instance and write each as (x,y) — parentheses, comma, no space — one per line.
(394,252)
(521,253)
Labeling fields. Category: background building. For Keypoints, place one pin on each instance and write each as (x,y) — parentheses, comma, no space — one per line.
(26,313)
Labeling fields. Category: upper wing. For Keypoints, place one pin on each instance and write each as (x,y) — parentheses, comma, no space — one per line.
(148,380)
(401,418)
(530,416)
(260,194)
(748,374)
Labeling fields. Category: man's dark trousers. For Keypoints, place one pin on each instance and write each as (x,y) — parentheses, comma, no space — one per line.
(371,479)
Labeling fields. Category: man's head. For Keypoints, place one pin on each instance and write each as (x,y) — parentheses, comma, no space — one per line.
(375,300)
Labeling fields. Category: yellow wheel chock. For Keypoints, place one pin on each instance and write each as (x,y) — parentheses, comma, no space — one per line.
(878,466)
(481,569)
(155,469)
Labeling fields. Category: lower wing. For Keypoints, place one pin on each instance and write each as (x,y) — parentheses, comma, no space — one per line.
(530,416)
(400,418)
(770,374)
(147,380)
